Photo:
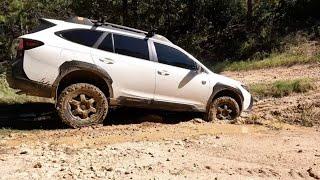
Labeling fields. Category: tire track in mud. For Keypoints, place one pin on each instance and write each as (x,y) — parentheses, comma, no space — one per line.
(28,116)
(44,116)
(27,112)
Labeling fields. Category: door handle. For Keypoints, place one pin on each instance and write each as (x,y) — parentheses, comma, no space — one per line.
(107,60)
(164,73)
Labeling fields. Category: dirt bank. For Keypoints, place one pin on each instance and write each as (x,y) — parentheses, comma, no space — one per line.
(302,109)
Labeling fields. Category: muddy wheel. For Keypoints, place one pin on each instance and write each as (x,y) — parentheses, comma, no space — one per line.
(80,105)
(223,109)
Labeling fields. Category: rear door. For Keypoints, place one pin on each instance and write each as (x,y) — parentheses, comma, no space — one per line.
(127,60)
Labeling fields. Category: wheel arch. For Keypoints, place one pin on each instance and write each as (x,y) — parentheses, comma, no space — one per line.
(72,72)
(220,90)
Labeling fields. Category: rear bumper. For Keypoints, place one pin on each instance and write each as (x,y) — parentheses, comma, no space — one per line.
(17,79)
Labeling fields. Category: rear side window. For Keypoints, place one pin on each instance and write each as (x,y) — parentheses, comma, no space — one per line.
(81,36)
(130,46)
(42,26)
(171,56)
(106,44)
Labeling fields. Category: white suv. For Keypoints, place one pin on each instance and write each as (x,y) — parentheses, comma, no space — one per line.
(89,66)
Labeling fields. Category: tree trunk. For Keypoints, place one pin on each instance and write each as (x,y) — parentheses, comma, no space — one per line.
(135,13)
(124,11)
(249,10)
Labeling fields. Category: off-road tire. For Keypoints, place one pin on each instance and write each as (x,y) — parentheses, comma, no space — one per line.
(213,111)
(67,101)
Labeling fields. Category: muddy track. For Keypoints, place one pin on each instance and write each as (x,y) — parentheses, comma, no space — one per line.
(162,151)
(145,144)
(31,116)
(28,116)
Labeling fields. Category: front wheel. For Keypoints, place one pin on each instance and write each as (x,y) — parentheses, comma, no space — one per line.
(80,105)
(223,109)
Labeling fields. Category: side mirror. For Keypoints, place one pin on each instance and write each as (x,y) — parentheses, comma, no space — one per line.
(198,69)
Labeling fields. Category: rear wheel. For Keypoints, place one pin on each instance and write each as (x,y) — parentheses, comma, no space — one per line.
(80,105)
(223,109)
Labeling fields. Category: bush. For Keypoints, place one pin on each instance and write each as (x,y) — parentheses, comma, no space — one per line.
(213,30)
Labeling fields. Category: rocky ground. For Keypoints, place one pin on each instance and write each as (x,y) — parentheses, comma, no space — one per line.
(186,150)
(136,144)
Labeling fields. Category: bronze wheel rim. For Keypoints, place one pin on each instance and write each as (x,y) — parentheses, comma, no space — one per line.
(83,106)
(225,112)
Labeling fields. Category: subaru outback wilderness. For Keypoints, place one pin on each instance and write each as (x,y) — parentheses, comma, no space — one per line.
(89,67)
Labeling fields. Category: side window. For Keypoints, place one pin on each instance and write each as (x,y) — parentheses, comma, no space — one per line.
(131,46)
(106,44)
(81,36)
(171,56)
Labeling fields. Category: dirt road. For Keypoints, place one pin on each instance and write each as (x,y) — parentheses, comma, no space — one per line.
(135,144)
(162,151)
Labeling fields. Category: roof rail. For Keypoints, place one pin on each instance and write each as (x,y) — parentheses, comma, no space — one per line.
(92,22)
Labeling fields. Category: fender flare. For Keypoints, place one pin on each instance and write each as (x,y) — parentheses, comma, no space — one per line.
(72,66)
(219,87)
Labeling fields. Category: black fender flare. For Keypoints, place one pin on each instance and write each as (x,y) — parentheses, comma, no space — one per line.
(72,66)
(219,87)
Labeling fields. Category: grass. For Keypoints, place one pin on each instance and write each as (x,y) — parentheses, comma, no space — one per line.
(294,55)
(282,88)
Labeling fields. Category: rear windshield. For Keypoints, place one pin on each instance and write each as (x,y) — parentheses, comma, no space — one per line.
(43,24)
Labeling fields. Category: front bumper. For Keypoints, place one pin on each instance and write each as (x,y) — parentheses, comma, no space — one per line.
(251,104)
(17,79)
(249,109)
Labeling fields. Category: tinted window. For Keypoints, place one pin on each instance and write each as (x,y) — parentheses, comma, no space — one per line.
(106,44)
(131,46)
(81,36)
(42,26)
(173,57)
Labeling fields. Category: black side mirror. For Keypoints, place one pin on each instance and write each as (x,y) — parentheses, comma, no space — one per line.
(198,69)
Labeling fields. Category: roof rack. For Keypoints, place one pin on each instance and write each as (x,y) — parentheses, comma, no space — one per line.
(92,22)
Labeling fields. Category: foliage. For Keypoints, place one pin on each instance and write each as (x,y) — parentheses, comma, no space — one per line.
(282,88)
(212,30)
(19,17)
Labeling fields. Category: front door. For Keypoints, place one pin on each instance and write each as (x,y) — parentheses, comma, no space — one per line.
(177,80)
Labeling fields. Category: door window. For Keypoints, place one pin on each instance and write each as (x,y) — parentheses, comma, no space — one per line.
(106,44)
(130,46)
(171,56)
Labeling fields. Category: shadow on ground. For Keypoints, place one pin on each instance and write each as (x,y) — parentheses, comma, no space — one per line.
(31,116)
